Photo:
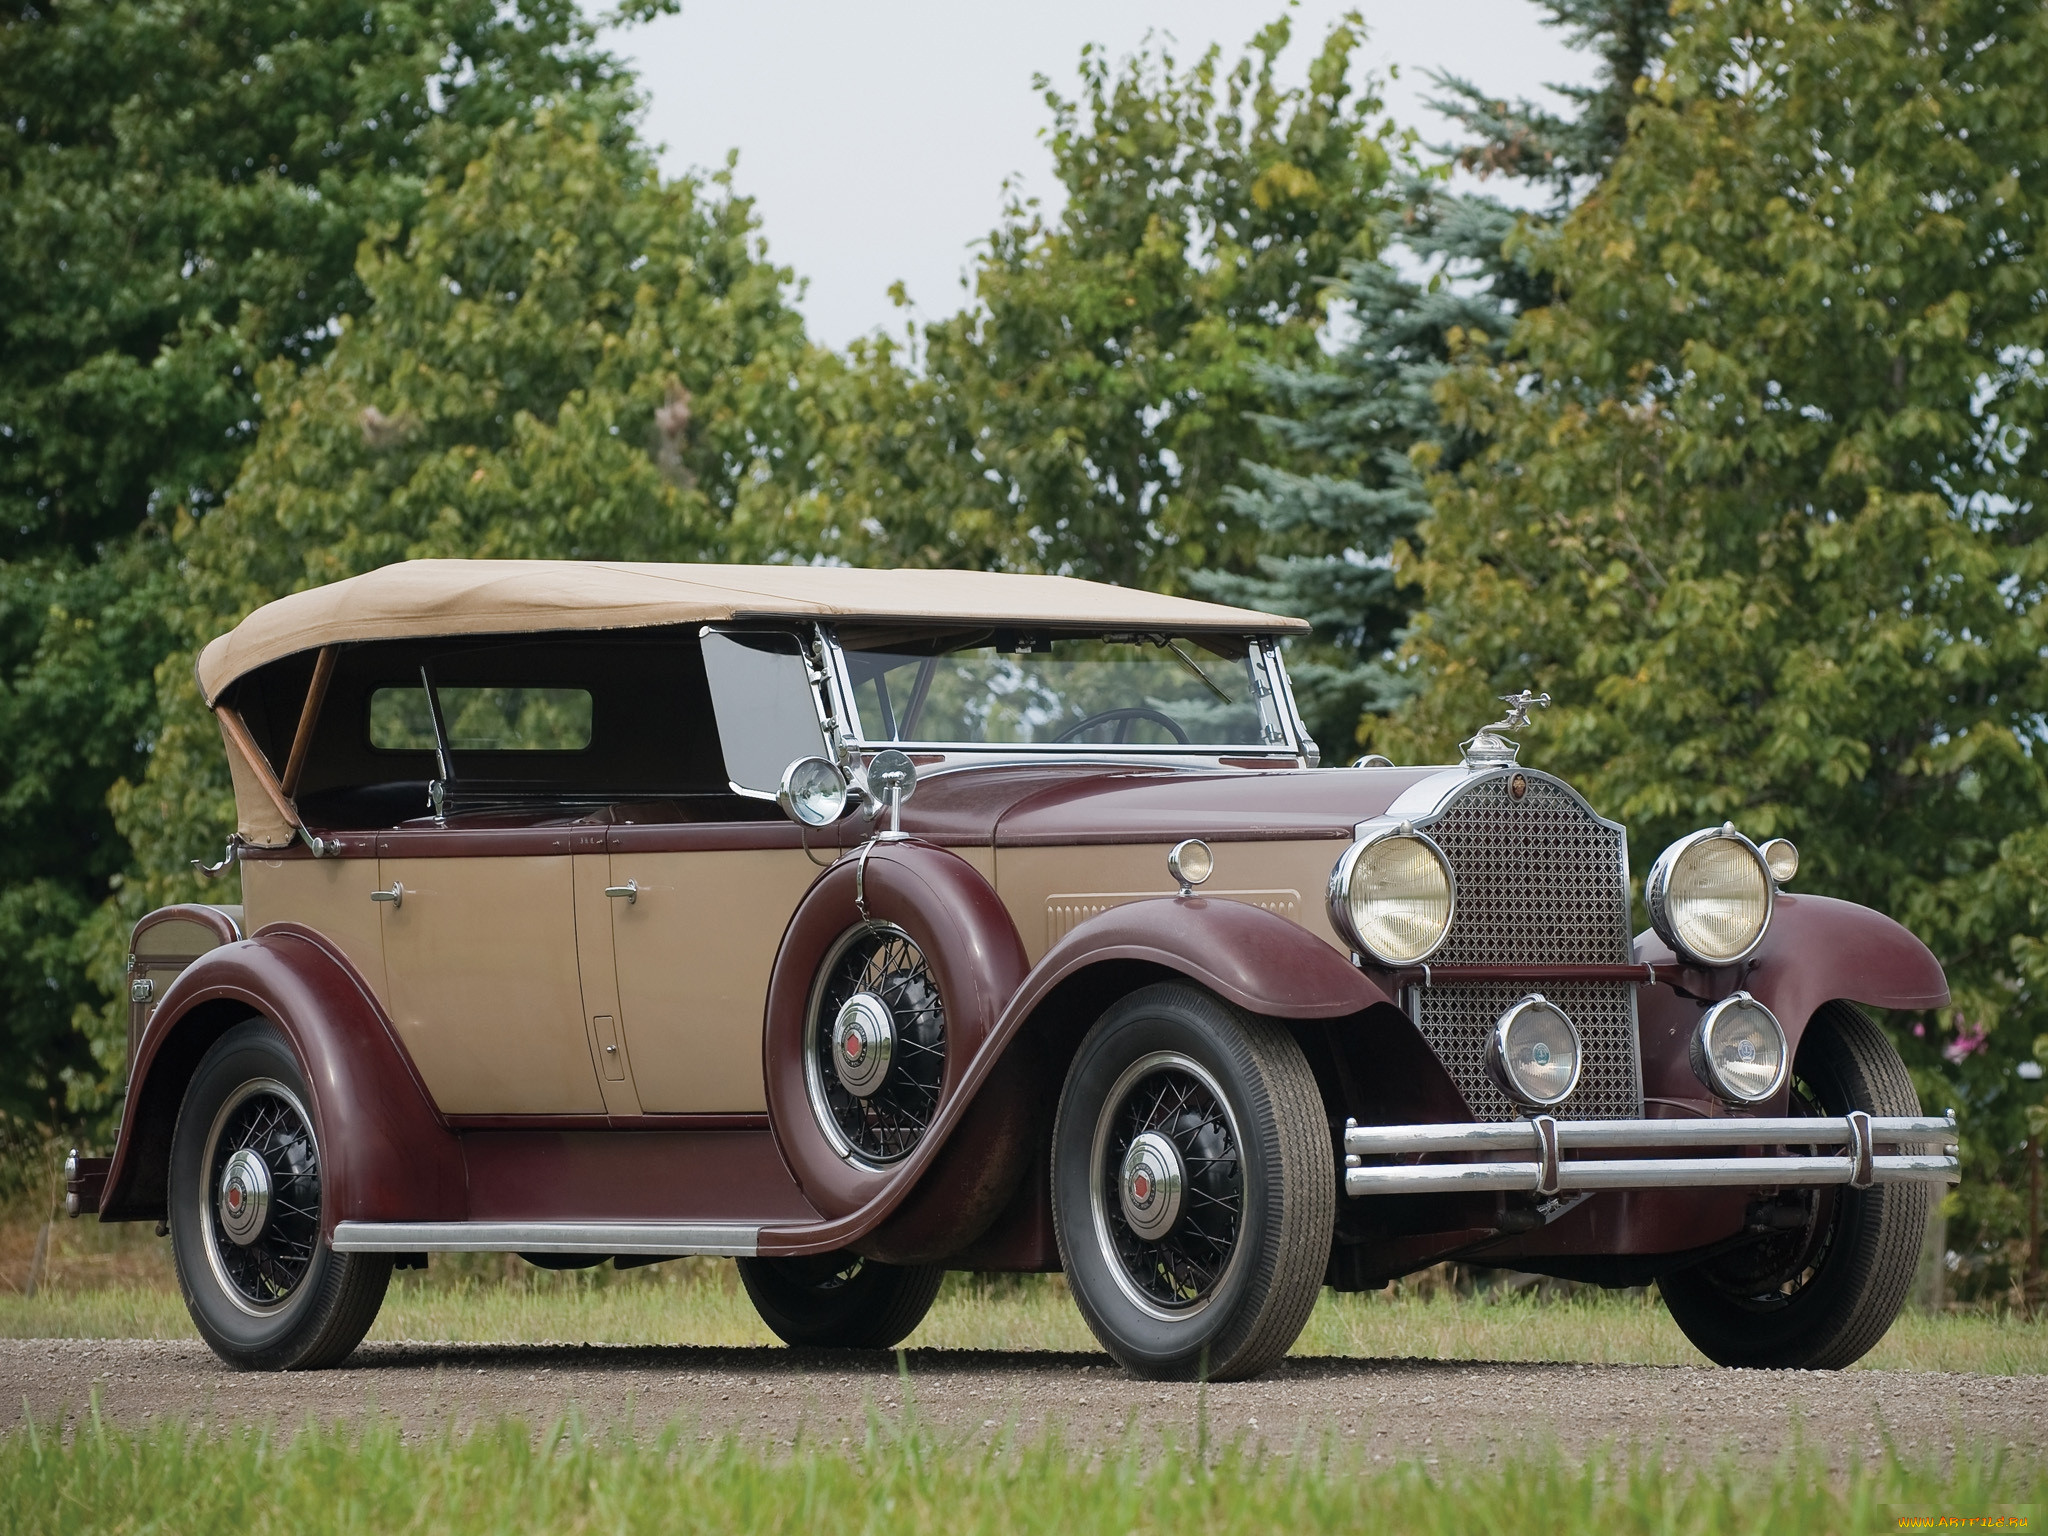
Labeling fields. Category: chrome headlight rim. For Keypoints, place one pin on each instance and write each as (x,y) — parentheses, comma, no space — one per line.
(1657,896)
(1339,897)
(1501,1069)
(1708,1071)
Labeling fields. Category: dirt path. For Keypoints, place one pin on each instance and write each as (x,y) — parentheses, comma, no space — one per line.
(1390,1409)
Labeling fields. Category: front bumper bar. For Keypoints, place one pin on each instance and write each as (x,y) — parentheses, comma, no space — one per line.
(1547,1171)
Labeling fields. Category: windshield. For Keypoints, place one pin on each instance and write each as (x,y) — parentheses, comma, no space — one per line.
(1039,690)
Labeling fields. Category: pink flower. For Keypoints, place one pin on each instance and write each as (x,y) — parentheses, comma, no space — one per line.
(1969,1040)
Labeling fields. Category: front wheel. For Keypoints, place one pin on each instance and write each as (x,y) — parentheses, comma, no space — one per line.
(1820,1296)
(1194,1186)
(246,1186)
(840,1300)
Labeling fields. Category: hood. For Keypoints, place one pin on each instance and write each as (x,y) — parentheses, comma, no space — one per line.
(1070,803)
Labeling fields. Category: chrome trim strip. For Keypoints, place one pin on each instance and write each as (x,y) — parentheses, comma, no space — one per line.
(677,1238)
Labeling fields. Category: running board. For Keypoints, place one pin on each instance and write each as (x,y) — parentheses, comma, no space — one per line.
(670,1239)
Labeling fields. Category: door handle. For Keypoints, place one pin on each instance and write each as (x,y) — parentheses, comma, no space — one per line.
(396,895)
(630,890)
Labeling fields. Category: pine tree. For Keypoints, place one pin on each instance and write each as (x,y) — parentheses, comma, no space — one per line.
(1453,277)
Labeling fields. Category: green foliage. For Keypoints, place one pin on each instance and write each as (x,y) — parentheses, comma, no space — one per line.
(1758,498)
(1346,491)
(1088,413)
(505,1477)
(183,186)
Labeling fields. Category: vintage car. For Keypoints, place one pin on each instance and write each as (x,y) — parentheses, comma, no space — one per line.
(865,925)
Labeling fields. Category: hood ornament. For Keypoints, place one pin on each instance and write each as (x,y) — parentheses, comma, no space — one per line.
(1489,746)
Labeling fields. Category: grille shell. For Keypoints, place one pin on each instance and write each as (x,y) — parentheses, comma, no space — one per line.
(1541,881)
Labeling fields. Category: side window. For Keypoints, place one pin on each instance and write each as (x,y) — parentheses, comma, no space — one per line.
(767,711)
(482,719)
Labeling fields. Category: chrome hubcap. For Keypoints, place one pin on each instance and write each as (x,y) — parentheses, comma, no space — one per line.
(1168,1185)
(244,1198)
(1153,1177)
(864,1043)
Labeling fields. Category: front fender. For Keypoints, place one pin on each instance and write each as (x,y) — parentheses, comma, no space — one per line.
(1818,949)
(386,1154)
(1256,959)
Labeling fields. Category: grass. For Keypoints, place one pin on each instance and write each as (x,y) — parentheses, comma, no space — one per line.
(903,1481)
(700,1302)
(115,1282)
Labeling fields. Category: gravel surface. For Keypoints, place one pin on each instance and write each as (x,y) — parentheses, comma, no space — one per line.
(1386,1408)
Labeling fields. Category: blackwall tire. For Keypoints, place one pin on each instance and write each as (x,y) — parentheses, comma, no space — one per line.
(1822,1297)
(284,1300)
(1241,1145)
(840,1301)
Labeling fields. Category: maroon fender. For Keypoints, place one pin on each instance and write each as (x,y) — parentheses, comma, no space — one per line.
(1818,949)
(385,1151)
(1254,958)
(966,935)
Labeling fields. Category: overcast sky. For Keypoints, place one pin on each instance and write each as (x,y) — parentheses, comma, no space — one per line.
(875,134)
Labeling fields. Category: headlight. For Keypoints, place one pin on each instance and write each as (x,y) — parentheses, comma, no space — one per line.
(1391,895)
(1739,1050)
(1710,896)
(1533,1053)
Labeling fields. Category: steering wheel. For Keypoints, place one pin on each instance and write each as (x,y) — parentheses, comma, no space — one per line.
(1125,717)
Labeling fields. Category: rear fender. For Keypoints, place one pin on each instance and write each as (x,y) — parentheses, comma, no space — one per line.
(386,1153)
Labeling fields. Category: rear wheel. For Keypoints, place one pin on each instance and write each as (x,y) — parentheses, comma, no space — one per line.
(1819,1296)
(1194,1186)
(840,1300)
(264,1290)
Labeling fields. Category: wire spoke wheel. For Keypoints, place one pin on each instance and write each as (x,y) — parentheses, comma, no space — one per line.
(262,1216)
(1767,1276)
(1193,1185)
(875,1057)
(1167,1105)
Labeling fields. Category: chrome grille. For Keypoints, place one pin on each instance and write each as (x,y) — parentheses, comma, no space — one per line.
(1541,881)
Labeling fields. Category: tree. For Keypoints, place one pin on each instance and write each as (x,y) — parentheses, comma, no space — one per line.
(1758,501)
(184,185)
(1345,493)
(562,357)
(1087,413)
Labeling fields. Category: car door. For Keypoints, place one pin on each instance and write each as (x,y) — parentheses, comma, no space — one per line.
(698,916)
(481,968)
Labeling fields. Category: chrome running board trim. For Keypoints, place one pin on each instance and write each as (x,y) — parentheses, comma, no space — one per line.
(1858,1166)
(677,1239)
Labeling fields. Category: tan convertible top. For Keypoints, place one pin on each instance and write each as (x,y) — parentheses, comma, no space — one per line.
(422,598)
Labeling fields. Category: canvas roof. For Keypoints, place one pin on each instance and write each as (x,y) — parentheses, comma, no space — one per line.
(419,599)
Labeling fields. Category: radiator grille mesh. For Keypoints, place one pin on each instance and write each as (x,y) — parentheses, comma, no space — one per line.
(1540,881)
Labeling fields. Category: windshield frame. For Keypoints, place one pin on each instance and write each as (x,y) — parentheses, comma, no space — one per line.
(1269,675)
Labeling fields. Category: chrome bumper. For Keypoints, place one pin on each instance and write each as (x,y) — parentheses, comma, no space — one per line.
(1547,1171)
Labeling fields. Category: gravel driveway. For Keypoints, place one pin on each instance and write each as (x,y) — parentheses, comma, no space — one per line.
(1387,1408)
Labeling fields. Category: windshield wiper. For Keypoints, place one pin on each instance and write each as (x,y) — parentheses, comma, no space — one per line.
(1193,666)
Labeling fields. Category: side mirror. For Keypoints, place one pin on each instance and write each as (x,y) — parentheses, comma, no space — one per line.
(814,792)
(892,776)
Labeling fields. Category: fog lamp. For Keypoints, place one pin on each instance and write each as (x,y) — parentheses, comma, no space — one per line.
(1739,1050)
(1533,1053)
